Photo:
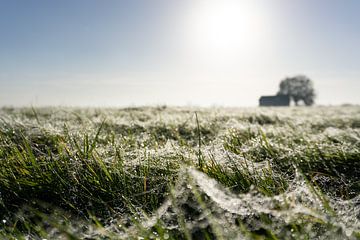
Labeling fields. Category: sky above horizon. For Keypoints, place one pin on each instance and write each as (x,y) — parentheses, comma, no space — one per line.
(189,52)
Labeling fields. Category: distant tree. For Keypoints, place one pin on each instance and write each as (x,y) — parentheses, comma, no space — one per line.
(299,88)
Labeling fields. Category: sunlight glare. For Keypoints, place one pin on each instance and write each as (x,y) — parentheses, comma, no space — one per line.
(226,29)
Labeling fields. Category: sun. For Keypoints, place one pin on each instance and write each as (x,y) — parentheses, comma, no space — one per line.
(226,28)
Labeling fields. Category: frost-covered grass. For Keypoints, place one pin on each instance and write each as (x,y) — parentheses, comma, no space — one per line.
(180,173)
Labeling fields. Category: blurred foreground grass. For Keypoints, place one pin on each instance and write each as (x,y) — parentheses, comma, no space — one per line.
(180,173)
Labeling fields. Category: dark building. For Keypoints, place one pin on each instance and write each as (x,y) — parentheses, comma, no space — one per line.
(278,100)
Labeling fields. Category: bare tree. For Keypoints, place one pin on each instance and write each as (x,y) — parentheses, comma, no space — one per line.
(299,88)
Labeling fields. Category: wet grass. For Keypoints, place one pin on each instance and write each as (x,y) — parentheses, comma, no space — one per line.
(108,173)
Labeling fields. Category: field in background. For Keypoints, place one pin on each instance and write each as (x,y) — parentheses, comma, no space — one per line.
(180,173)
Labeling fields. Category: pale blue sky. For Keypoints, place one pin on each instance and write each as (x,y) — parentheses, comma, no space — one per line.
(198,52)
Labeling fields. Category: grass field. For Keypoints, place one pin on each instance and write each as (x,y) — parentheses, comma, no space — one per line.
(180,173)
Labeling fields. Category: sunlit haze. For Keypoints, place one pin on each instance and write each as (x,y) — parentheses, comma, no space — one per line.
(189,52)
